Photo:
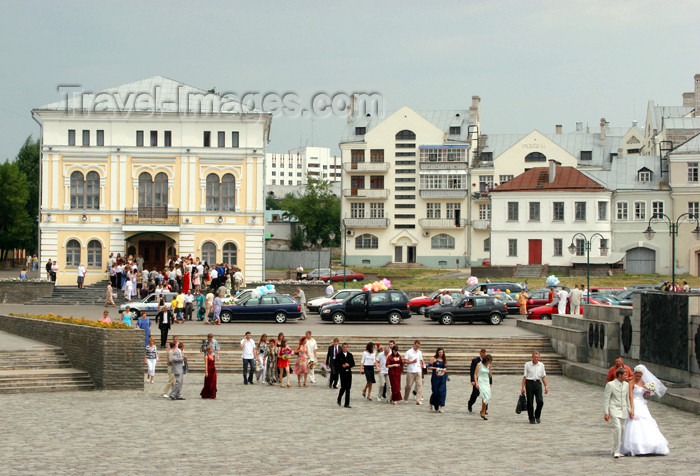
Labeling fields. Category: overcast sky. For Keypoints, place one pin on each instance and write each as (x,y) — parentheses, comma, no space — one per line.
(533,63)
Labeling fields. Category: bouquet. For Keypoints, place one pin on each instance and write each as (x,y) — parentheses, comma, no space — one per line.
(323,370)
(379,350)
(651,387)
(312,364)
(285,353)
(440,372)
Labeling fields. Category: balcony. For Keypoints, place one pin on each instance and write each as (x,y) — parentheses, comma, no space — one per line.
(442,165)
(443,193)
(152,216)
(361,193)
(480,197)
(441,222)
(366,222)
(481,224)
(366,166)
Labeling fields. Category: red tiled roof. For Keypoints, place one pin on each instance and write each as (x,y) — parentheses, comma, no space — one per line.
(566,178)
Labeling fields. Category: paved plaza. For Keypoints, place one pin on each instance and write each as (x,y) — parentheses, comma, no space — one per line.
(261,429)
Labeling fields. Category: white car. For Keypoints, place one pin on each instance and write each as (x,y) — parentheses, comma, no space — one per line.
(149,304)
(314,305)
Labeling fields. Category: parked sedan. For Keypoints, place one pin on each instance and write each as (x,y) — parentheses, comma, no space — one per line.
(545,312)
(500,286)
(277,307)
(315,304)
(420,304)
(148,304)
(512,304)
(350,275)
(605,298)
(391,306)
(470,309)
(322,274)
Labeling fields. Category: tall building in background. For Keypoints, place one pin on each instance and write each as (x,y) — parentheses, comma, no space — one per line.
(152,168)
(293,167)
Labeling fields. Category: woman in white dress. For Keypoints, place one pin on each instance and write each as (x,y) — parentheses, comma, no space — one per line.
(642,435)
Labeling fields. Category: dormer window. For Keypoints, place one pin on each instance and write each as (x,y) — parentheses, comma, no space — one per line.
(644,175)
(455,130)
(586,155)
(360,131)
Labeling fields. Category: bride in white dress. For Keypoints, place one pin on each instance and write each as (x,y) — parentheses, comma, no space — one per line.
(642,435)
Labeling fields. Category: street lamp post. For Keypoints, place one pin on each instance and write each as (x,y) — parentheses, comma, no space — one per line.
(319,240)
(673,228)
(331,235)
(587,245)
(345,251)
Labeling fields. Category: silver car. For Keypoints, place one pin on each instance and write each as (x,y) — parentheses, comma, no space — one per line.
(149,304)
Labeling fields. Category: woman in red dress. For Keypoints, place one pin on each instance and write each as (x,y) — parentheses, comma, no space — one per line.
(209,390)
(395,365)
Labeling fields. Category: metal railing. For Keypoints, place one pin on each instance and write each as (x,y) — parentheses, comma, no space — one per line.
(152,216)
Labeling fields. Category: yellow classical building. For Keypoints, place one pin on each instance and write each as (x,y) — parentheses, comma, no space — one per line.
(152,168)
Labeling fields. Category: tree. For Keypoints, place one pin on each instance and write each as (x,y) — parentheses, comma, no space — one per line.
(15,223)
(318,211)
(28,162)
(272,203)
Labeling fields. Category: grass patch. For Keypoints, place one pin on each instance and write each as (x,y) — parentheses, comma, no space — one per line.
(73,320)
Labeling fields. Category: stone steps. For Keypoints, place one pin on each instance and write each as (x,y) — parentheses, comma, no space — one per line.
(93,294)
(529,271)
(40,370)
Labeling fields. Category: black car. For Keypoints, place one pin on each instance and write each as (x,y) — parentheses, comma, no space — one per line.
(497,287)
(512,304)
(391,305)
(470,309)
(277,307)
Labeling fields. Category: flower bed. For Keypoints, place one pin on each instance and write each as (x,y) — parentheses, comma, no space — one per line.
(73,320)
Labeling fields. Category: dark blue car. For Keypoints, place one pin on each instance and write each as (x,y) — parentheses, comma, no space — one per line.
(277,307)
(391,306)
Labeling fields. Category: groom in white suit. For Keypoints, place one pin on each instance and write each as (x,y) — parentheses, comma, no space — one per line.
(616,401)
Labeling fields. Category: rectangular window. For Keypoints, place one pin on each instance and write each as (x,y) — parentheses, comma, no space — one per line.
(406,179)
(405,205)
(167,138)
(71,136)
(504,178)
(580,211)
(139,138)
(405,197)
(512,247)
(360,131)
(405,162)
(692,171)
(586,155)
(154,138)
(376,182)
(405,146)
(485,183)
(357,210)
(657,208)
(484,211)
(100,137)
(640,210)
(455,130)
(221,139)
(558,211)
(693,208)
(433,210)
(376,155)
(534,211)
(404,188)
(376,210)
(512,212)
(86,137)
(454,210)
(622,210)
(487,244)
(403,215)
(234,139)
(405,154)
(405,171)
(206,139)
(558,247)
(602,211)
(580,247)
(644,176)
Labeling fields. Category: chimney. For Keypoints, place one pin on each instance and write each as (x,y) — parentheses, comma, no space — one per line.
(474,110)
(557,129)
(634,123)
(688,99)
(579,126)
(603,123)
(351,108)
(552,170)
(696,113)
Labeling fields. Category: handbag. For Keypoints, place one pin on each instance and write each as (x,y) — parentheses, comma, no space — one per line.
(522,404)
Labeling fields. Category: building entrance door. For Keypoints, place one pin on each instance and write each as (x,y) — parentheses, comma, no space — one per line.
(398,254)
(534,252)
(153,252)
(410,254)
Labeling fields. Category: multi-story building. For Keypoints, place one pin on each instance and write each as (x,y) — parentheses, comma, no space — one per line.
(405,187)
(152,168)
(293,168)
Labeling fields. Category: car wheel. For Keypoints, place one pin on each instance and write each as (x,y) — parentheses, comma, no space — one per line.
(394,318)
(226,317)
(354,280)
(338,317)
(421,310)
(280,318)
(447,319)
(495,318)
(545,317)
(137,313)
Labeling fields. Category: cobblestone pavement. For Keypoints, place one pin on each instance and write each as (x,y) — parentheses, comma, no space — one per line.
(246,427)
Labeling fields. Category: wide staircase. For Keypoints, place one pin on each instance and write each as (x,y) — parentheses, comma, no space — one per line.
(40,370)
(93,294)
(530,271)
(509,354)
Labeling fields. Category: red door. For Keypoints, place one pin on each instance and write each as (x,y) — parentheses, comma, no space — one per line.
(534,252)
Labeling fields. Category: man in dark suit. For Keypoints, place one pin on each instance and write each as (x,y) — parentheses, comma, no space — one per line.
(333,351)
(472,369)
(344,364)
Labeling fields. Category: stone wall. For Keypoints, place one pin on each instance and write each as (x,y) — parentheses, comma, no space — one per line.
(112,357)
(19,292)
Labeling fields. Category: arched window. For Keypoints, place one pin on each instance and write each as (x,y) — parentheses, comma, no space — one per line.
(209,253)
(145,190)
(153,195)
(92,191)
(72,253)
(535,157)
(230,254)
(405,135)
(442,241)
(94,254)
(366,241)
(77,190)
(160,190)
(221,196)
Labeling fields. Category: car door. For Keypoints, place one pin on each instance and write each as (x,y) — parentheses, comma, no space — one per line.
(266,309)
(459,310)
(379,306)
(245,310)
(150,303)
(482,308)
(356,307)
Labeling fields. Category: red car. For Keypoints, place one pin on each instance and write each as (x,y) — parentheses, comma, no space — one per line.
(350,276)
(420,304)
(545,312)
